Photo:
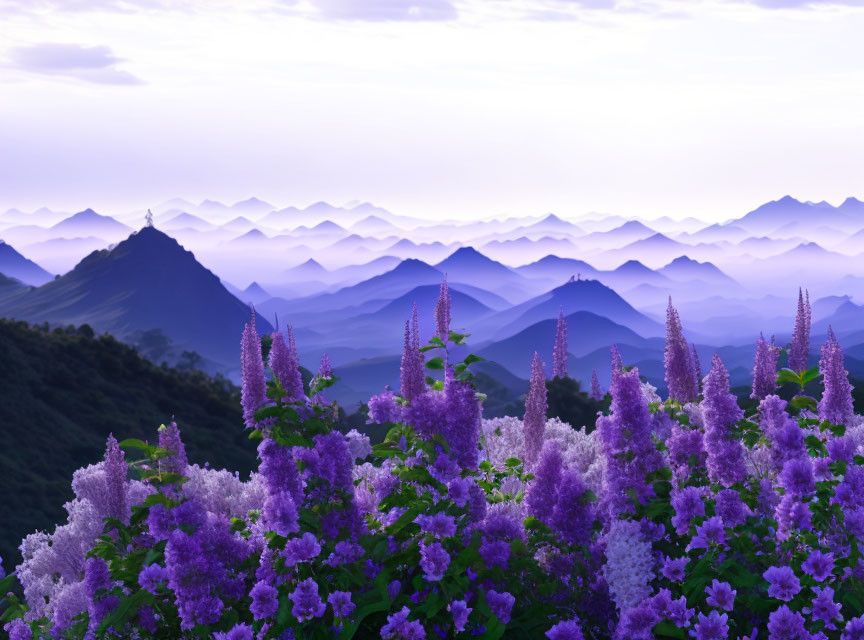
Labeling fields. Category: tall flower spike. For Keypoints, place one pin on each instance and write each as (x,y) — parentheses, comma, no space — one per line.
(325,370)
(697,368)
(559,351)
(169,439)
(442,311)
(836,403)
(534,422)
(764,370)
(680,377)
(617,362)
(286,365)
(411,379)
(115,477)
(799,353)
(721,412)
(596,391)
(254,391)
(625,439)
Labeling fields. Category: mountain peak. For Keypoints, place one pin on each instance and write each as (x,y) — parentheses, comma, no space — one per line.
(464,255)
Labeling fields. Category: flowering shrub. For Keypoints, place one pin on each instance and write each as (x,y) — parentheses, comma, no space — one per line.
(676,519)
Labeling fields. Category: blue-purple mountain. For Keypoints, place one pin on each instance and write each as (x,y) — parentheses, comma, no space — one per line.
(148,281)
(14,265)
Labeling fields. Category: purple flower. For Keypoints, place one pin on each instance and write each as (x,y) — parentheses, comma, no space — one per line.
(325,369)
(625,439)
(434,560)
(797,477)
(383,408)
(711,627)
(573,514)
(567,630)
(818,565)
(823,606)
(501,604)
(116,470)
(265,601)
(542,492)
(686,447)
(398,627)
(784,584)
(731,508)
(596,392)
(854,629)
(721,412)
(460,611)
(439,525)
(97,576)
(280,513)
(836,403)
(307,602)
(764,369)
(169,439)
(341,603)
(279,470)
(534,421)
(495,553)
(680,378)
(783,624)
(412,381)
(675,568)
(18,630)
(688,504)
(240,631)
(442,311)
(559,349)
(160,522)
(842,448)
(458,491)
(285,365)
(462,415)
(721,595)
(151,576)
(709,532)
(254,391)
(800,351)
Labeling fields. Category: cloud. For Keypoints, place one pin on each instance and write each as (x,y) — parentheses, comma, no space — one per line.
(385,10)
(804,4)
(90,64)
(28,6)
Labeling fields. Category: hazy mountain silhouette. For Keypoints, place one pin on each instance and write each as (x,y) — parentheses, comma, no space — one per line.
(147,281)
(14,265)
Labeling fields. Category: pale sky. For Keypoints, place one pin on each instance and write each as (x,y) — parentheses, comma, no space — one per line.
(444,108)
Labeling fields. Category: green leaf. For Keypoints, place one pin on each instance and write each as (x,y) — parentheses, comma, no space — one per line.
(811,374)
(667,629)
(435,363)
(787,376)
(802,402)
(135,443)
(512,462)
(472,358)
(124,610)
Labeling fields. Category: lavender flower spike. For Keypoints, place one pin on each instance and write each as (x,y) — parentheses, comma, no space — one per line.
(116,471)
(254,391)
(764,370)
(596,391)
(680,377)
(325,370)
(285,365)
(442,311)
(721,411)
(559,351)
(697,368)
(799,353)
(169,439)
(836,403)
(617,362)
(534,422)
(411,378)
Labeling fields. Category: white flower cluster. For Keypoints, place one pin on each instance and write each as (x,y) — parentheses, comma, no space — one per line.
(222,492)
(629,563)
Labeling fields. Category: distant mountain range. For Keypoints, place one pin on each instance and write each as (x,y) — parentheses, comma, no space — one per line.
(14,265)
